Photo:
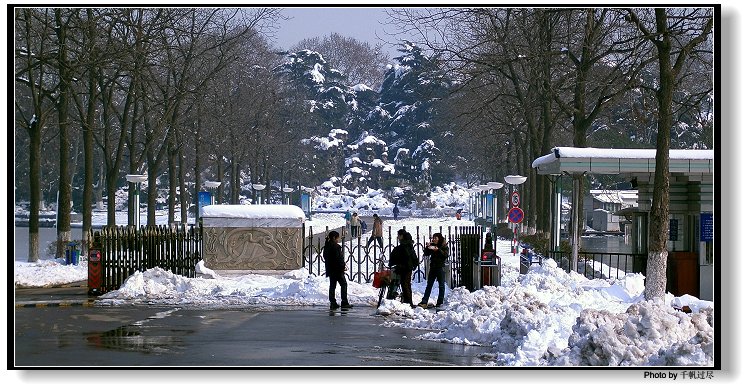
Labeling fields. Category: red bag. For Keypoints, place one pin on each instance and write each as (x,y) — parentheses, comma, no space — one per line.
(381,278)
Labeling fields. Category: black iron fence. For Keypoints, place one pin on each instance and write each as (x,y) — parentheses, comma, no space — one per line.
(127,249)
(363,259)
(599,265)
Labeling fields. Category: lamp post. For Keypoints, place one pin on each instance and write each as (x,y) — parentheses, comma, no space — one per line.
(482,200)
(287,191)
(474,201)
(515,180)
(258,187)
(135,181)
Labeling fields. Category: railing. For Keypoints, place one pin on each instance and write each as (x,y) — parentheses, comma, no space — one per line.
(363,261)
(598,265)
(125,250)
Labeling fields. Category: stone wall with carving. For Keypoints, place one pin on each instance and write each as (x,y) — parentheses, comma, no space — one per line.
(252,237)
(254,248)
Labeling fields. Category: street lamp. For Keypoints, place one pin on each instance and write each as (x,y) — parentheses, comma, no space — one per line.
(482,200)
(515,215)
(259,187)
(287,191)
(474,201)
(135,181)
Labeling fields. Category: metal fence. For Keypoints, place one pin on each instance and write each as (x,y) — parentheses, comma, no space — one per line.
(363,260)
(598,265)
(127,249)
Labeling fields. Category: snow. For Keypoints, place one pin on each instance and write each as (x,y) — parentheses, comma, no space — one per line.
(361,88)
(253,211)
(589,152)
(544,318)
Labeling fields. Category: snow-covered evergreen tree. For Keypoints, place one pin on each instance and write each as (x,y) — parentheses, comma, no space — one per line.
(405,117)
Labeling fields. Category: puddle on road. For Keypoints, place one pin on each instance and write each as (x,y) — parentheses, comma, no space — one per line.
(135,338)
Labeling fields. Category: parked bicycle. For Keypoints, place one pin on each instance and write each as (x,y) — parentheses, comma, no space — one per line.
(388,282)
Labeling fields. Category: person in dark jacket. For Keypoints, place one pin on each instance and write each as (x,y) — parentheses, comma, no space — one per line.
(376,232)
(438,252)
(400,257)
(335,269)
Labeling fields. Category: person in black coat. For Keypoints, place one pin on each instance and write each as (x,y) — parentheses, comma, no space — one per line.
(438,252)
(400,257)
(335,270)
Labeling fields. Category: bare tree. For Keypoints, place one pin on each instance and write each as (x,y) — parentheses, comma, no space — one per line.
(675,34)
(34,102)
(359,61)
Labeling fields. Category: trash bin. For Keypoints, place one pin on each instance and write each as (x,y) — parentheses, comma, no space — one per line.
(72,253)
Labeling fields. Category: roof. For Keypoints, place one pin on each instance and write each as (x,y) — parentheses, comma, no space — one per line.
(619,161)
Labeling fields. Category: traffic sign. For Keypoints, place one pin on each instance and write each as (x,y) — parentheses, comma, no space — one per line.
(515,215)
(515,199)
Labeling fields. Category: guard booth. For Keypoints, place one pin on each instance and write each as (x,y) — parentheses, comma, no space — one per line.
(690,266)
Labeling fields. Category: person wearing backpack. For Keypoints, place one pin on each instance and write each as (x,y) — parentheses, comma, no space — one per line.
(438,252)
(355,225)
(401,258)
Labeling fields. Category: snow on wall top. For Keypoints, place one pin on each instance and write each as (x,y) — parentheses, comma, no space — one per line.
(253,211)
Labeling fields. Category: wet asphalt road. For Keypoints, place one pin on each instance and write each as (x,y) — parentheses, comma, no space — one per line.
(89,336)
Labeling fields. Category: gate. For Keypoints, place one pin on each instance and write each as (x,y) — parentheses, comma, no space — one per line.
(363,261)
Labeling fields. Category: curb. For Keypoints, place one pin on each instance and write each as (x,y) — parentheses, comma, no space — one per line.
(89,303)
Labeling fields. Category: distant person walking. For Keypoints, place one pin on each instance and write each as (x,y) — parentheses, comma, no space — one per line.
(438,252)
(355,225)
(376,232)
(335,270)
(348,221)
(395,211)
(402,258)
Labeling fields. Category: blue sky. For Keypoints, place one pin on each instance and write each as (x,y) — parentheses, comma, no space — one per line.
(361,23)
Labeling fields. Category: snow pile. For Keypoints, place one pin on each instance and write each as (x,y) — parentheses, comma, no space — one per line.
(554,318)
(48,272)
(647,334)
(160,287)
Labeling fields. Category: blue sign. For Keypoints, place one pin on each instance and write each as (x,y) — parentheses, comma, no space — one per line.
(515,215)
(204,199)
(306,207)
(706,227)
(490,208)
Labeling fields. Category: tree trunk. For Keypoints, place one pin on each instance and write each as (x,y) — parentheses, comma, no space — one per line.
(172,166)
(35,189)
(220,176)
(88,146)
(64,189)
(198,180)
(183,193)
(655,284)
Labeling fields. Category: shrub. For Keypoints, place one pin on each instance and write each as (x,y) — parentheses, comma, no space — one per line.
(503,231)
(538,241)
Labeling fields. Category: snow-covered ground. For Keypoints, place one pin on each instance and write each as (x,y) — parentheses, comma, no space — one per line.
(544,318)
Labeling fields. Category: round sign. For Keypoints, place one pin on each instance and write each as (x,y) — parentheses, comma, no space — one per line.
(515,199)
(515,215)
